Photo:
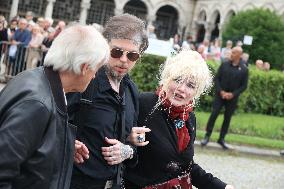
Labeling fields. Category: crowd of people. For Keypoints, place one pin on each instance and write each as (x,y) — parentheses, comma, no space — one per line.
(84,85)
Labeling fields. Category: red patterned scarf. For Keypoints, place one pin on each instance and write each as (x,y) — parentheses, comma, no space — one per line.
(182,113)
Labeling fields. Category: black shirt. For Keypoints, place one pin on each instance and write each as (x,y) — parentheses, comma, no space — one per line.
(102,118)
(231,78)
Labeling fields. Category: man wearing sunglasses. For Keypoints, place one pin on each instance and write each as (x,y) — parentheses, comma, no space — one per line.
(108,109)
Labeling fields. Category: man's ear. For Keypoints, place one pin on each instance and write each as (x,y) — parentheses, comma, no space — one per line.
(84,68)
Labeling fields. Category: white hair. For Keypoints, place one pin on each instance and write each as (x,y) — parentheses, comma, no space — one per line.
(187,64)
(75,46)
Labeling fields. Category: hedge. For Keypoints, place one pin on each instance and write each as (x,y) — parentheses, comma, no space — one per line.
(265,92)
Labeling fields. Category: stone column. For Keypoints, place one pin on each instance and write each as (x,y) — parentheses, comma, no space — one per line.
(85,6)
(49,9)
(14,8)
(208,29)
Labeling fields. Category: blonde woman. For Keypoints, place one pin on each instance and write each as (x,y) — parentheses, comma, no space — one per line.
(167,161)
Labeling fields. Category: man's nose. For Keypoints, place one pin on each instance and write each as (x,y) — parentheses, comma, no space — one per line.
(123,58)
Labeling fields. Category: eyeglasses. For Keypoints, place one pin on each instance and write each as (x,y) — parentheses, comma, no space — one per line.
(117,53)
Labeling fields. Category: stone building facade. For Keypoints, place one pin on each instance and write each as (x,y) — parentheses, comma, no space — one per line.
(202,19)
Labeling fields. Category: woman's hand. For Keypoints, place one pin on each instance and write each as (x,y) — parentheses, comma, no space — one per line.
(229,187)
(137,136)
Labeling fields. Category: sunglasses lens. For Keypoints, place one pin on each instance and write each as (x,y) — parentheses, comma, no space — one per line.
(133,56)
(116,53)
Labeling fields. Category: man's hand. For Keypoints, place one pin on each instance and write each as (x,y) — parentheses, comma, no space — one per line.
(81,152)
(117,152)
(137,136)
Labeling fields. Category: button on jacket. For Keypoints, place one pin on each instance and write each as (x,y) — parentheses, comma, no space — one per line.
(36,142)
(102,118)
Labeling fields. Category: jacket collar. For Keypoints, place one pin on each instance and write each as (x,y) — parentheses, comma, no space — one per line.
(56,88)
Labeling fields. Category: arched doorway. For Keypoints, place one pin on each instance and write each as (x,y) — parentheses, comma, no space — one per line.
(166,23)
(66,10)
(229,15)
(201,26)
(137,8)
(100,11)
(215,32)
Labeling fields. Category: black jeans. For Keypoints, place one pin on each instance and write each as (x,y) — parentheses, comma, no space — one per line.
(230,106)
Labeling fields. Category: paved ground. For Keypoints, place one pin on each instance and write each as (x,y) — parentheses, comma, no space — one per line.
(242,170)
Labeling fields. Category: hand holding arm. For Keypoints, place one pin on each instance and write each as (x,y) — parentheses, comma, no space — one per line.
(117,152)
(81,152)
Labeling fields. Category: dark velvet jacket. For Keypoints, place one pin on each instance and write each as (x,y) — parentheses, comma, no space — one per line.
(36,141)
(162,151)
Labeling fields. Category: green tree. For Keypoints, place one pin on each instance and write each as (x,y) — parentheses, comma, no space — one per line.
(267,30)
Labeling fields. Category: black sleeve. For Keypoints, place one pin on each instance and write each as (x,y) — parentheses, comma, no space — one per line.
(203,180)
(21,130)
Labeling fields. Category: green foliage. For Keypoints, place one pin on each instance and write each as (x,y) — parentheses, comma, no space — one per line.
(267,30)
(265,93)
(145,72)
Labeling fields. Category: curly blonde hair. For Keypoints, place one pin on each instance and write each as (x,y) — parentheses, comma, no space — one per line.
(187,65)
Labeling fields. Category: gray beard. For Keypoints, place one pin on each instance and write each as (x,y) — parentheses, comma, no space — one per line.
(113,75)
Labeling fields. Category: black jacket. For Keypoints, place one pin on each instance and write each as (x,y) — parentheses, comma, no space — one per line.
(155,158)
(97,113)
(231,78)
(36,144)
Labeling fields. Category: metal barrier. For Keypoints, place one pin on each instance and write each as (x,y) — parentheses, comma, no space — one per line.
(17,58)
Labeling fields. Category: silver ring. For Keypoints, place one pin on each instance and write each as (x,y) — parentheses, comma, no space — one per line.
(140,138)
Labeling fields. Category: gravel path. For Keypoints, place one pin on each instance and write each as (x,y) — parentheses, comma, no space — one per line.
(243,171)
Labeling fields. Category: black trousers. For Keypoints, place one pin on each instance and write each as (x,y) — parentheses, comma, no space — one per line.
(230,107)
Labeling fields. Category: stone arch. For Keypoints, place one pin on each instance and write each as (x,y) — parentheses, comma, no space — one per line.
(269,6)
(166,22)
(178,7)
(248,6)
(228,15)
(137,8)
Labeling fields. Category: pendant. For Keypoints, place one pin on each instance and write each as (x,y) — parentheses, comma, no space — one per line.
(179,123)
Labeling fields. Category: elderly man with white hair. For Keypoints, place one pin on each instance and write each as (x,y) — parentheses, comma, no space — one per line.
(37,143)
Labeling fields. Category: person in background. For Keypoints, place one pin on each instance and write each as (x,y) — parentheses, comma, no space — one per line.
(167,161)
(106,112)
(231,80)
(266,66)
(259,64)
(188,43)
(13,26)
(33,51)
(226,51)
(37,143)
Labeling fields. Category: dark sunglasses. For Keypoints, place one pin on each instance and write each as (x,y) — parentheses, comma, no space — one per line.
(117,53)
